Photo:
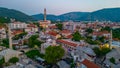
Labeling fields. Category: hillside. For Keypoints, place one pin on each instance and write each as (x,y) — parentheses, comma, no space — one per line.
(108,14)
(11,13)
(63,17)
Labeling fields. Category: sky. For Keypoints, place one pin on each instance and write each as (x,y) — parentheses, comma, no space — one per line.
(58,7)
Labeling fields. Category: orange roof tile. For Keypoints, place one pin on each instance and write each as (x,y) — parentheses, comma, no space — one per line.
(69,36)
(53,33)
(31,25)
(15,32)
(67,42)
(89,64)
(100,33)
(53,27)
(65,31)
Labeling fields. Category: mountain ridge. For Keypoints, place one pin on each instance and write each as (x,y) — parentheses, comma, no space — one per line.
(18,15)
(105,14)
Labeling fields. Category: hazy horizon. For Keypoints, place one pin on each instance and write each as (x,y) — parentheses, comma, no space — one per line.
(58,7)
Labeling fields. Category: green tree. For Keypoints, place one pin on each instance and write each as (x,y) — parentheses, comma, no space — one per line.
(32,41)
(5,43)
(89,30)
(36,23)
(106,28)
(76,36)
(59,26)
(32,53)
(100,52)
(53,54)
(14,60)
(101,39)
(41,28)
(92,42)
(16,37)
(4,20)
(112,60)
(2,60)
(116,33)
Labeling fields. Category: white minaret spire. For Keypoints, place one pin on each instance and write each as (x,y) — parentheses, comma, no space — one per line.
(44,14)
(10,37)
(110,41)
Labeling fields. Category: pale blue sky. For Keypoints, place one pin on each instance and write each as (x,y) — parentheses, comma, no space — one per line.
(58,6)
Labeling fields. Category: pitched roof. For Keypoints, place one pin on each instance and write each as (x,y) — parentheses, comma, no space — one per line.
(15,32)
(67,42)
(1,27)
(65,31)
(53,27)
(69,36)
(100,33)
(31,25)
(89,64)
(53,33)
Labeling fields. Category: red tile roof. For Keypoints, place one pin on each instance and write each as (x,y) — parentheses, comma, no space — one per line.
(100,33)
(1,27)
(17,23)
(89,64)
(65,31)
(31,25)
(53,27)
(69,36)
(116,39)
(67,42)
(53,33)
(15,32)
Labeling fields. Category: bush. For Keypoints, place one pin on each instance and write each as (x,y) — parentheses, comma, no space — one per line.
(32,53)
(112,60)
(100,52)
(53,54)
(2,61)
(34,41)
(13,60)
(90,41)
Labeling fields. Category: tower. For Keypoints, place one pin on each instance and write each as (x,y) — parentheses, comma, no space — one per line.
(110,40)
(45,14)
(0,38)
(10,37)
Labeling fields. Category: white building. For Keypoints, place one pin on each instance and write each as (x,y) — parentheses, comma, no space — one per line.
(18,25)
(31,28)
(9,53)
(2,33)
(83,52)
(48,43)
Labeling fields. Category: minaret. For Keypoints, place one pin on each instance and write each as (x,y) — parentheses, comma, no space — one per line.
(10,37)
(45,14)
(0,38)
(110,41)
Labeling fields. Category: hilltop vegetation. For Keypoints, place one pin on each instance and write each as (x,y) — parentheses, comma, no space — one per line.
(11,13)
(108,14)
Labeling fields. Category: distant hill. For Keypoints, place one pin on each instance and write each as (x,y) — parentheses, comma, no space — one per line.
(63,17)
(108,14)
(11,13)
(41,17)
